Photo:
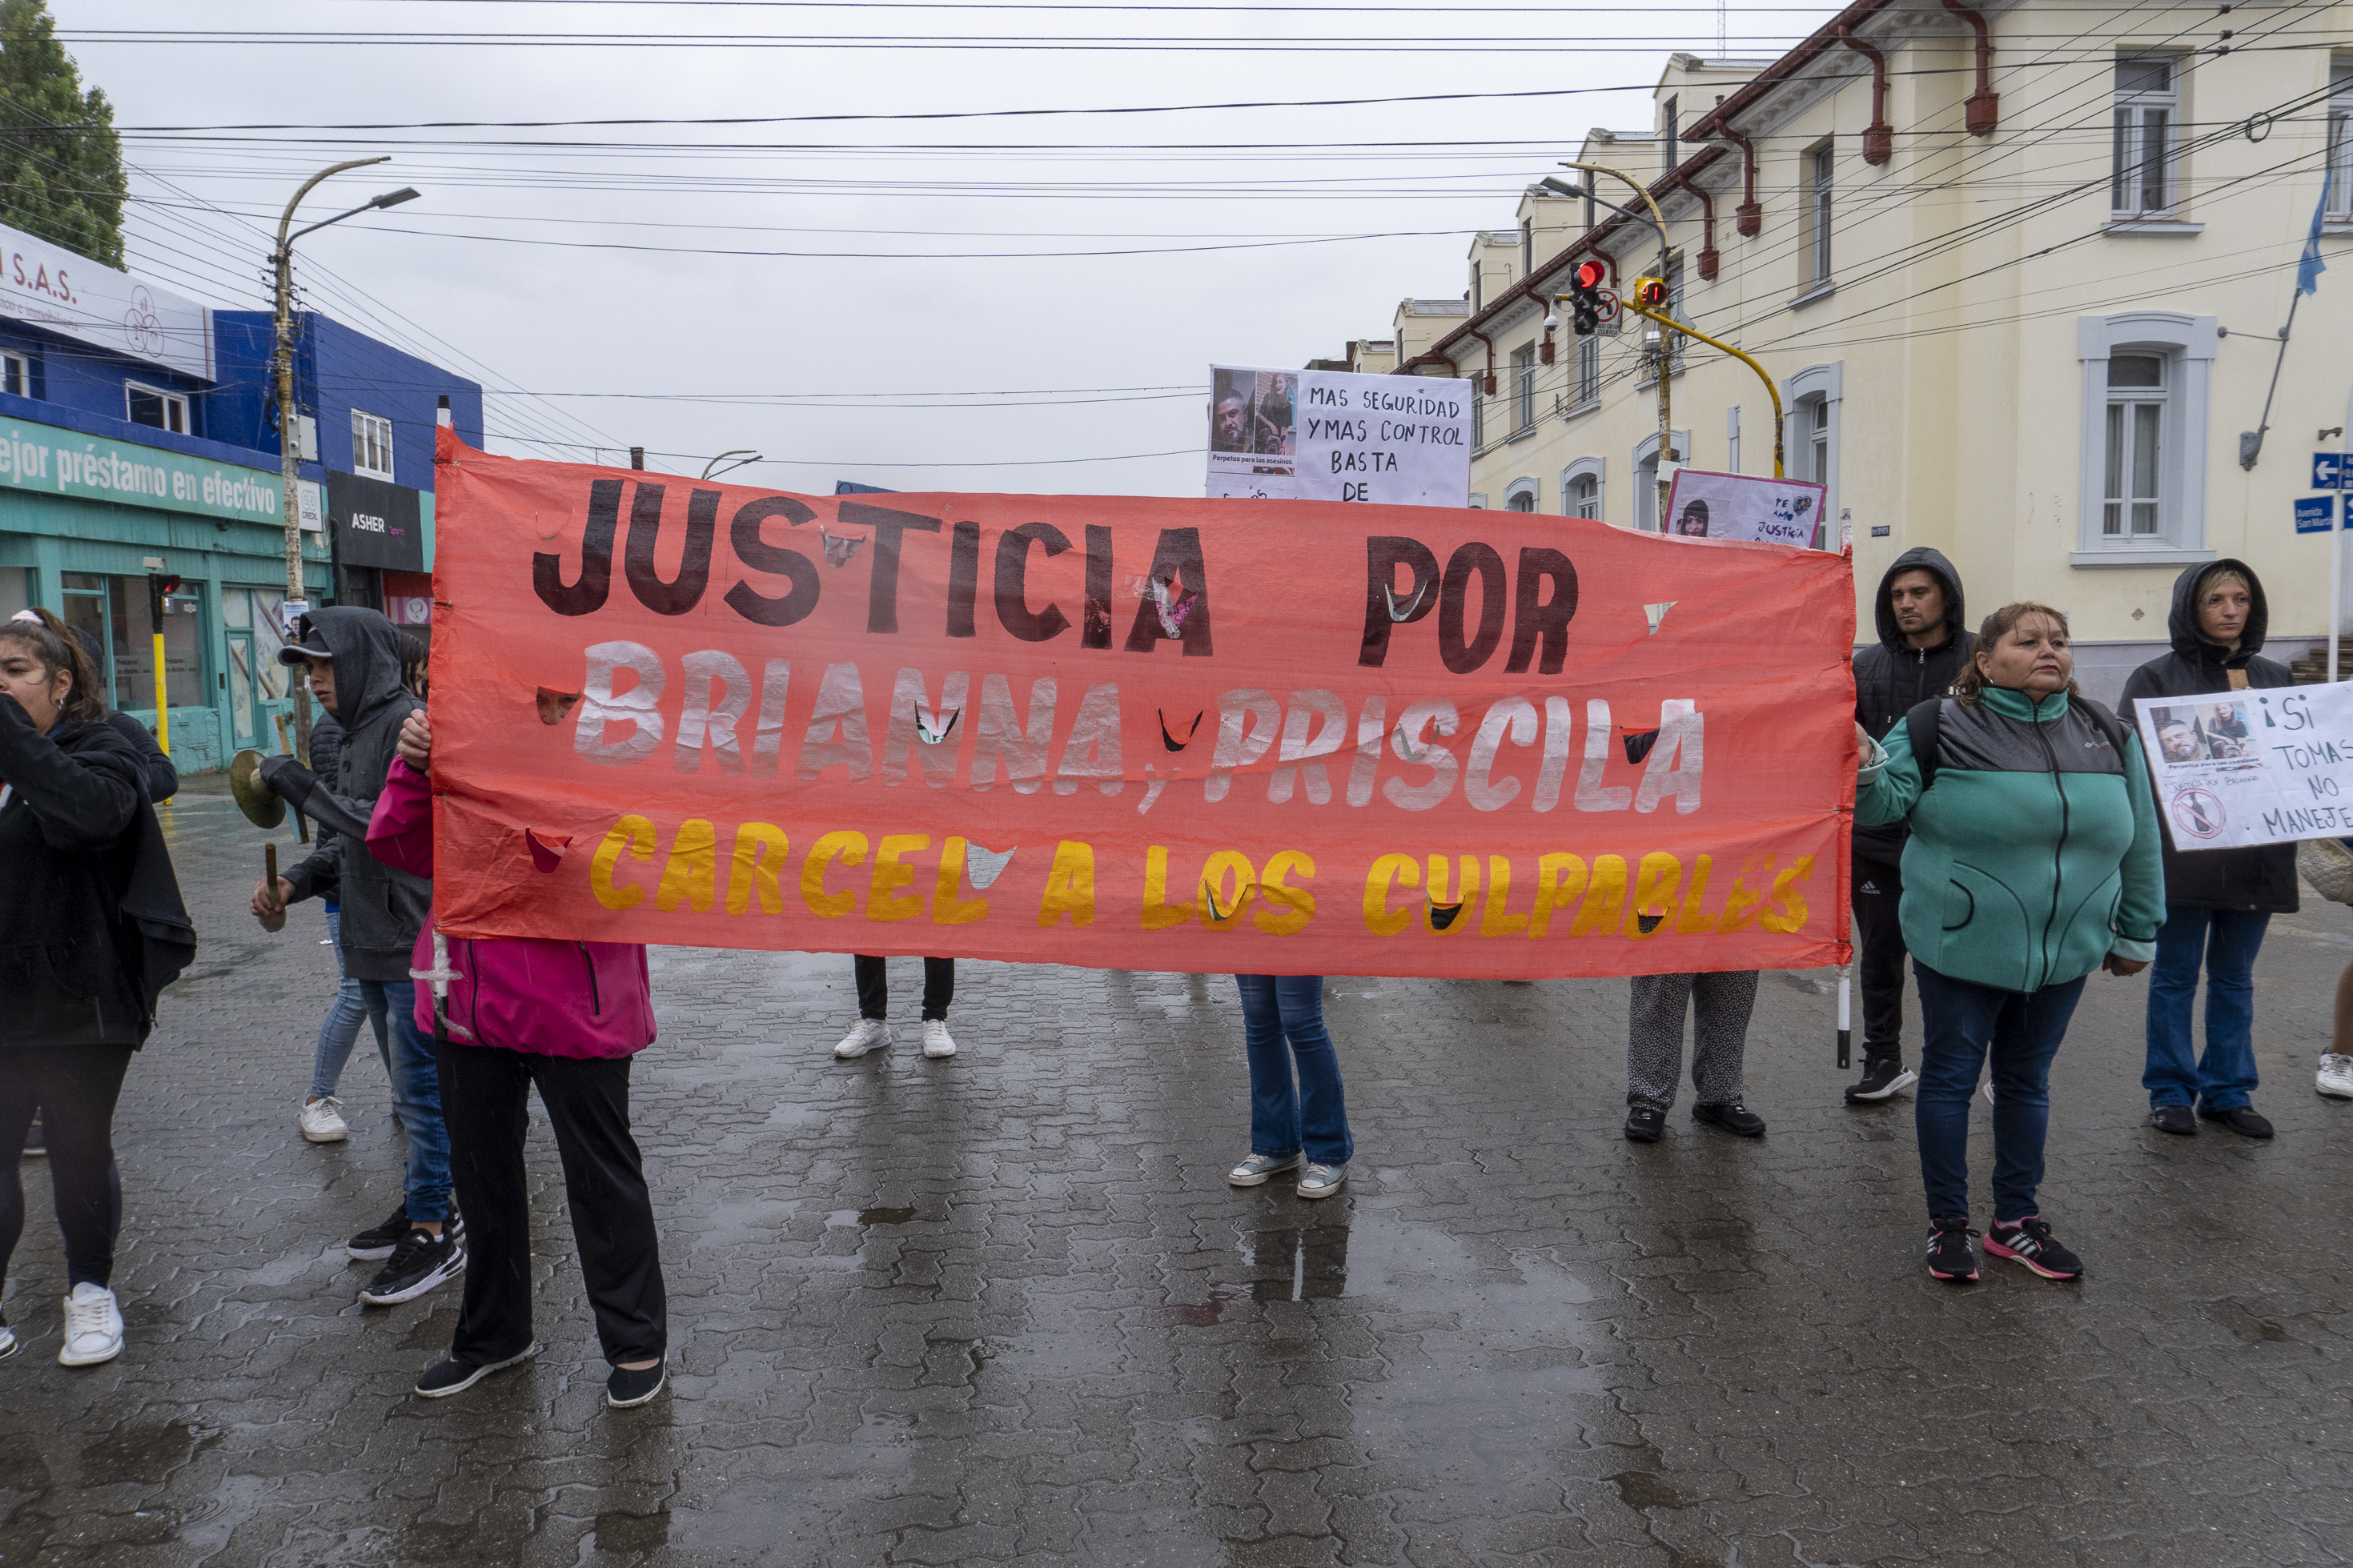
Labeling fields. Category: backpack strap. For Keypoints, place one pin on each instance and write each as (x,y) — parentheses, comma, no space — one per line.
(1922,723)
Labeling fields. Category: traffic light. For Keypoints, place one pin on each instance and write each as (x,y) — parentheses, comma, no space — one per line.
(159,589)
(1650,293)
(1584,296)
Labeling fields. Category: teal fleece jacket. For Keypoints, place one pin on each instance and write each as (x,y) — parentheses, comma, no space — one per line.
(2034,855)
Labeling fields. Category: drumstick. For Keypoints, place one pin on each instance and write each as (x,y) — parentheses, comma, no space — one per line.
(275,922)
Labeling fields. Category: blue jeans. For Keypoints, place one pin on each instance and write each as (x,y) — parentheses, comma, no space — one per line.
(1280,1009)
(1964,1022)
(2226,941)
(415,1098)
(340,1026)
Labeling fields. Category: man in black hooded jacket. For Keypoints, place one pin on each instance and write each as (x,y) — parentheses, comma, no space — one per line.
(353,659)
(1923,645)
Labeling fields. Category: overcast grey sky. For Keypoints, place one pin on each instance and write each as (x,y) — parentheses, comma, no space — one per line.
(926,283)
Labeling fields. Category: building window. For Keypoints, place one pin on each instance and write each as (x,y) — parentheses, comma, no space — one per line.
(2146,378)
(1478,283)
(13,379)
(1580,489)
(1816,172)
(1646,477)
(113,612)
(1670,135)
(2135,447)
(1478,413)
(1523,388)
(155,408)
(371,445)
(1528,246)
(2146,110)
(1588,370)
(1520,495)
(2341,138)
(1811,435)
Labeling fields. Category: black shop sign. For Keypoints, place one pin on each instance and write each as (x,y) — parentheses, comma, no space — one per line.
(376,523)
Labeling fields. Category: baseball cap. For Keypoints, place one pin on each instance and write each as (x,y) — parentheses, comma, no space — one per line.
(312,646)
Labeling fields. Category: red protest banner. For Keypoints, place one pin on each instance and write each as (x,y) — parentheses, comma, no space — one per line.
(1278,737)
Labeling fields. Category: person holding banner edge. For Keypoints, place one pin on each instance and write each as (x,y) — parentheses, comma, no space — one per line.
(1923,642)
(2218,902)
(2033,860)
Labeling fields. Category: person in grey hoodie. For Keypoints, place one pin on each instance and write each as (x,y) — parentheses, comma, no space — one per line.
(352,659)
(1924,646)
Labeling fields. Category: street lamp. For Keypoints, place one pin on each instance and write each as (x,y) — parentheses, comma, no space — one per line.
(745,453)
(288,419)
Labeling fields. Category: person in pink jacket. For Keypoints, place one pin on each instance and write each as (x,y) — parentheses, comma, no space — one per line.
(567,1016)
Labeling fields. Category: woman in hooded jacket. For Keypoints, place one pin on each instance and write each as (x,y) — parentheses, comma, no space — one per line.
(2218,902)
(91,930)
(520,1012)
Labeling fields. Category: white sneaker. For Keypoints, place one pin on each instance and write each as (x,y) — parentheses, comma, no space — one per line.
(2336,1078)
(869,1035)
(321,1120)
(1989,1091)
(1321,1181)
(937,1041)
(7,1342)
(1256,1168)
(93,1326)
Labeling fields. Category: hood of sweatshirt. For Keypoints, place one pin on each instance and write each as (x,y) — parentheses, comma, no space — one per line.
(1924,558)
(2181,625)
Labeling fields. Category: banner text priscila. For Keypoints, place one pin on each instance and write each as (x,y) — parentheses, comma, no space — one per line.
(933,731)
(905,878)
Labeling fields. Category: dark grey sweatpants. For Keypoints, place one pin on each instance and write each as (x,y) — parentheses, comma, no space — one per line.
(1655,1036)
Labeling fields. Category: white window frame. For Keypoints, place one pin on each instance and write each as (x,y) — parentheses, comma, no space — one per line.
(174,403)
(1524,389)
(2341,138)
(365,426)
(2128,143)
(16,376)
(1646,477)
(2188,344)
(1823,385)
(1593,468)
(1525,487)
(1587,388)
(1818,178)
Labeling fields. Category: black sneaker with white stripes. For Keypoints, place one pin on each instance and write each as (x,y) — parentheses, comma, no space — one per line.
(378,1240)
(2029,1242)
(450,1375)
(1882,1075)
(1951,1255)
(420,1262)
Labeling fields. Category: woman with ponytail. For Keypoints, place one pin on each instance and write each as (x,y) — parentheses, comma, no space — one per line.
(91,930)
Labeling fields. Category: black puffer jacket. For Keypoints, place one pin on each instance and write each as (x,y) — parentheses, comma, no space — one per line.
(383,909)
(1891,679)
(91,925)
(2261,878)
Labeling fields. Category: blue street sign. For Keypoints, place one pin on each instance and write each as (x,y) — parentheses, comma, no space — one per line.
(2324,470)
(2316,514)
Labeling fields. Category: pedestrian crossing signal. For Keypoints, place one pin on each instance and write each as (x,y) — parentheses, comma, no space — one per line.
(1650,293)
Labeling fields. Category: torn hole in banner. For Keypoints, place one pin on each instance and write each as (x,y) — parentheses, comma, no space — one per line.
(1405,612)
(1171,741)
(932,737)
(1444,915)
(546,848)
(555,705)
(1173,603)
(983,866)
(840,548)
(1658,612)
(1638,742)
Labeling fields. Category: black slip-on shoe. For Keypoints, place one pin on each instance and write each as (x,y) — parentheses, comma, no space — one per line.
(1645,1125)
(1882,1077)
(626,1388)
(2241,1119)
(451,1376)
(2173,1119)
(1732,1117)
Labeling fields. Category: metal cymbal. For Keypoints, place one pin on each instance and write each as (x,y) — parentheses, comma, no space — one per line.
(263,806)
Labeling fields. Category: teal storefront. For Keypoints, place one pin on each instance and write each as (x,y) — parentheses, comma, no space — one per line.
(82,521)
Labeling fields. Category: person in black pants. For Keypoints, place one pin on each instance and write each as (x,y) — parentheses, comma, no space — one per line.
(1924,646)
(91,930)
(871,1033)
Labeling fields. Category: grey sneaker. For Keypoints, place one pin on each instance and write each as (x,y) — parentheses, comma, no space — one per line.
(1321,1181)
(1254,1170)
(866,1035)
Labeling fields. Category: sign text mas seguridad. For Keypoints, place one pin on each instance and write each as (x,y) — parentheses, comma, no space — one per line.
(39,457)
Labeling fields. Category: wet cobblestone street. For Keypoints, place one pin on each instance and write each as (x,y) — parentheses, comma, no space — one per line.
(1005,1308)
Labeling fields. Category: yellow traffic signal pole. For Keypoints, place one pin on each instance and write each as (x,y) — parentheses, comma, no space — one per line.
(163,709)
(1667,453)
(1670,323)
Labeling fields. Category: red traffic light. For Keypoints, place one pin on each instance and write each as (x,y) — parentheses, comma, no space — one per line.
(1591,274)
(167,586)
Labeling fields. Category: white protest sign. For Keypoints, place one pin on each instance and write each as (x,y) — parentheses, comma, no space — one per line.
(2234,768)
(1321,435)
(1735,506)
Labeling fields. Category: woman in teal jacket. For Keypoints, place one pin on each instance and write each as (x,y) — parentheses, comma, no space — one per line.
(2032,860)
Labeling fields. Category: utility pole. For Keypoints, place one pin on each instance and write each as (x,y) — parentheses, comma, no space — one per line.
(290,418)
(1667,453)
